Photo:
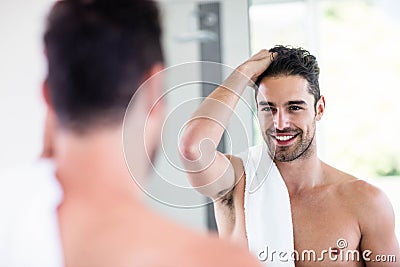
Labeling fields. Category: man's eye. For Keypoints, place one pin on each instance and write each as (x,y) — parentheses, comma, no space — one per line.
(266,109)
(294,108)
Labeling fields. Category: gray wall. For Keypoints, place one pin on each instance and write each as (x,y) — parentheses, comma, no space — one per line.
(178,26)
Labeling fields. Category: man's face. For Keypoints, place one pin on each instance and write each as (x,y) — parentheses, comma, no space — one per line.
(287,117)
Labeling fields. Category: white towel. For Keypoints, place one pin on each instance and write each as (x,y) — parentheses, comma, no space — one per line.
(29,233)
(267,209)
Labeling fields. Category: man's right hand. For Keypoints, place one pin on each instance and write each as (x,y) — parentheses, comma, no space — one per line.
(257,64)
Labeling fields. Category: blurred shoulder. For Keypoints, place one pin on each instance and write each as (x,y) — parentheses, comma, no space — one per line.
(212,251)
(187,247)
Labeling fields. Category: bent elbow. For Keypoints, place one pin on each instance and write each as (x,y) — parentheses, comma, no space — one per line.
(188,150)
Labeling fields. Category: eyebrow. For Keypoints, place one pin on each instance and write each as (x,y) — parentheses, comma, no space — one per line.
(263,103)
(294,102)
(297,102)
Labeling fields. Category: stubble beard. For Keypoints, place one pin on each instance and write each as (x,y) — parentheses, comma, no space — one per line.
(302,149)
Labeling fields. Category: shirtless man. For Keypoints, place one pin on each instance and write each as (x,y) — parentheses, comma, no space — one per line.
(326,204)
(99,52)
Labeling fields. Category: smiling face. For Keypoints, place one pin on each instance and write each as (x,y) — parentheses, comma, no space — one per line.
(287,116)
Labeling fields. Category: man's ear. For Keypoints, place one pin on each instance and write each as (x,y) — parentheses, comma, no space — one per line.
(154,80)
(49,124)
(152,97)
(46,94)
(320,108)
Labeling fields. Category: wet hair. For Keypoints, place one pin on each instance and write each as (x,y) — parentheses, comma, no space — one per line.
(293,61)
(98,53)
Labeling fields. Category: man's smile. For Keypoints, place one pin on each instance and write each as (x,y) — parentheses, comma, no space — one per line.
(284,139)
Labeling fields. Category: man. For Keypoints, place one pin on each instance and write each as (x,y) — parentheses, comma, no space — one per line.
(99,52)
(330,210)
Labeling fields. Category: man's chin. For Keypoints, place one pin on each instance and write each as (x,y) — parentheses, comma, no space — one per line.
(282,159)
(284,154)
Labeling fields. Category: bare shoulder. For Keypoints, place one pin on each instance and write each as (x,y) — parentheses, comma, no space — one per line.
(363,193)
(371,204)
(182,246)
(210,251)
(365,199)
(350,185)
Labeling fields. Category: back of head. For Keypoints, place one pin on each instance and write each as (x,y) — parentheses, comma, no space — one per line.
(98,53)
(294,61)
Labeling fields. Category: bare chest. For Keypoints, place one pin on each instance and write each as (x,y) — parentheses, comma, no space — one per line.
(326,231)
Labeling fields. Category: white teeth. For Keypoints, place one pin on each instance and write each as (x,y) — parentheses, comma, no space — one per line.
(284,137)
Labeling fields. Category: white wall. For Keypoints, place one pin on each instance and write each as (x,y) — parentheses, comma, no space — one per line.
(22,70)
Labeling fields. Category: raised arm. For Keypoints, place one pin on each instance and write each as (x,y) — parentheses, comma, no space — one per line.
(210,171)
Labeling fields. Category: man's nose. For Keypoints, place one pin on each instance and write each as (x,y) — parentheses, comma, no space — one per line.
(281,120)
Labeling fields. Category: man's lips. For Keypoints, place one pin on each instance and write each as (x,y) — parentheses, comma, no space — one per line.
(284,139)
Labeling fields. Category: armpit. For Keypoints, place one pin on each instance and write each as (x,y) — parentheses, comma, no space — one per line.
(226,197)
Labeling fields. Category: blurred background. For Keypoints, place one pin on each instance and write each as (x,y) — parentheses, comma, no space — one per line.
(355,41)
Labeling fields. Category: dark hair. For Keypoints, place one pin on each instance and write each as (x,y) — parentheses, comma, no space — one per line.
(294,61)
(98,53)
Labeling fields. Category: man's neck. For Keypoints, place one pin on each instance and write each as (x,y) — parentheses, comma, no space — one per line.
(92,167)
(302,174)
